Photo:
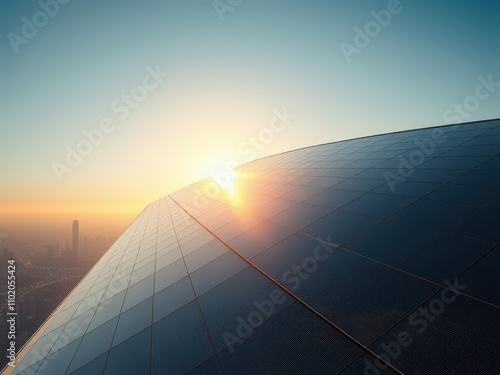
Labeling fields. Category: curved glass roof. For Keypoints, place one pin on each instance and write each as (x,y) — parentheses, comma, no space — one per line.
(377,255)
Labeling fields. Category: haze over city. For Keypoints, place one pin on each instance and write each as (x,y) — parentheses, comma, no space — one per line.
(166,93)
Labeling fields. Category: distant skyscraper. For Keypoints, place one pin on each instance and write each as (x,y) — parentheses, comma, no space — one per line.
(7,254)
(50,252)
(75,240)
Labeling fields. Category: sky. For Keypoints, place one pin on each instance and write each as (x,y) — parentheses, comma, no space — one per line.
(108,105)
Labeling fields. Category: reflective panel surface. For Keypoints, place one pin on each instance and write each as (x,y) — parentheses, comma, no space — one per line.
(376,255)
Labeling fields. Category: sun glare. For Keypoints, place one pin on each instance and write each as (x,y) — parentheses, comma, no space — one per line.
(230,189)
(228,183)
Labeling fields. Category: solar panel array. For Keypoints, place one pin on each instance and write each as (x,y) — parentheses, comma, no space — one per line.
(378,255)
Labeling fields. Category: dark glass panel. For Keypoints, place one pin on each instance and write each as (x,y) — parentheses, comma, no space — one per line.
(473,150)
(486,139)
(294,251)
(453,162)
(392,243)
(274,207)
(326,181)
(247,295)
(343,172)
(333,198)
(335,279)
(483,226)
(365,163)
(216,272)
(466,133)
(205,254)
(478,195)
(58,361)
(438,215)
(302,193)
(421,174)
(62,318)
(39,350)
(281,346)
(133,320)
(138,293)
(94,344)
(368,365)
(359,184)
(480,177)
(195,243)
(339,226)
(377,205)
(107,310)
(381,305)
(492,164)
(169,275)
(446,258)
(483,278)
(172,298)
(73,330)
(180,341)
(95,367)
(210,366)
(379,173)
(131,356)
(168,258)
(141,273)
(403,187)
(238,226)
(259,238)
(447,334)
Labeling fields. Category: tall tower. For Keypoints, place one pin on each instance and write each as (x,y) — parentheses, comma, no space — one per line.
(75,240)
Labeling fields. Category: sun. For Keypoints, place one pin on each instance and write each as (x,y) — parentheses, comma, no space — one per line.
(228,183)
(231,190)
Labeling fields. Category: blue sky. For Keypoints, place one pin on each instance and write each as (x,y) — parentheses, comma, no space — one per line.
(227,74)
